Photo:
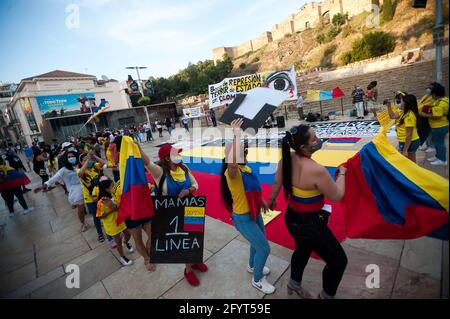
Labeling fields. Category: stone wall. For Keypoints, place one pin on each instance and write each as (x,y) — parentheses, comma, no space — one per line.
(310,15)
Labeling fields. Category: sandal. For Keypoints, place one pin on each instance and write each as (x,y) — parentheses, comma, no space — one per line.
(191,278)
(101,238)
(84,228)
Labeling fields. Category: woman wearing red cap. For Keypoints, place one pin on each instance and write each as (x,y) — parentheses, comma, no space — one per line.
(172,178)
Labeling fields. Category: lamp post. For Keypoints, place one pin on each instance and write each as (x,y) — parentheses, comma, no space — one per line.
(141,89)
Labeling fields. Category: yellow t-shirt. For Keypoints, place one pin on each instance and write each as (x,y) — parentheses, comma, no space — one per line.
(426,100)
(440,108)
(109,222)
(236,186)
(410,120)
(109,159)
(89,175)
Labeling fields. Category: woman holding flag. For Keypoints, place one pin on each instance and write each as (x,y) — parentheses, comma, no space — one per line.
(241,194)
(132,195)
(306,184)
(173,178)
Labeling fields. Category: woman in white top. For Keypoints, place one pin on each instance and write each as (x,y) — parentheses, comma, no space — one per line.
(69,175)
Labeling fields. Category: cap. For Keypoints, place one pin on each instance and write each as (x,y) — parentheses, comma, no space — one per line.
(66,144)
(168,150)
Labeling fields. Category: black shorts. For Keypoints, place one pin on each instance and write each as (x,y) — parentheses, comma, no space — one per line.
(136,223)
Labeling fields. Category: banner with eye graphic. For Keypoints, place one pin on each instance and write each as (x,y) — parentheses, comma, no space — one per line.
(225,92)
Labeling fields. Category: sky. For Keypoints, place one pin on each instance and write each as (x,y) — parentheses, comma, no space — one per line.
(102,37)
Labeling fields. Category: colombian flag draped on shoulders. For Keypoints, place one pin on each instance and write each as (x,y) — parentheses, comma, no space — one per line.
(134,193)
(11,178)
(387,196)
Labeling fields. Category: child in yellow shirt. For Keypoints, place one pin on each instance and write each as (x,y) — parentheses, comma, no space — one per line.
(107,212)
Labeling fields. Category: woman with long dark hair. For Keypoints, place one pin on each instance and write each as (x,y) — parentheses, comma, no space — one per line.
(406,126)
(306,184)
(241,195)
(438,118)
(173,178)
(70,177)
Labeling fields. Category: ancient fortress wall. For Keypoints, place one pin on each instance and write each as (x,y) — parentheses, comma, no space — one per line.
(309,15)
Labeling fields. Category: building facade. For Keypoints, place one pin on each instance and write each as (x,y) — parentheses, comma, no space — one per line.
(57,104)
(7,91)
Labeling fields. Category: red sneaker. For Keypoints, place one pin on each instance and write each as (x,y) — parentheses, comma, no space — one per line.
(200,267)
(191,278)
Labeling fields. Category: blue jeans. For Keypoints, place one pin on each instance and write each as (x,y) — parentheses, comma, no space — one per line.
(92,209)
(253,231)
(438,136)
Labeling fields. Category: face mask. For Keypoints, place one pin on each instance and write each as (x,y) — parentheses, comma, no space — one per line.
(428,90)
(398,104)
(312,149)
(72,160)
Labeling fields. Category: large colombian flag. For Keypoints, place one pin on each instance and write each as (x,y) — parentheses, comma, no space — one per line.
(321,95)
(135,202)
(388,196)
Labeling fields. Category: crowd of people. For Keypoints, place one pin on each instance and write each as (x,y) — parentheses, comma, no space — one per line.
(81,167)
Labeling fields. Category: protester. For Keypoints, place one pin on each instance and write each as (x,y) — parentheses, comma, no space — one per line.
(212,114)
(358,101)
(148,132)
(107,211)
(90,170)
(241,194)
(139,224)
(68,174)
(159,128)
(16,163)
(11,183)
(185,123)
(306,184)
(173,178)
(168,124)
(372,97)
(300,101)
(423,127)
(406,126)
(28,151)
(438,119)
(39,159)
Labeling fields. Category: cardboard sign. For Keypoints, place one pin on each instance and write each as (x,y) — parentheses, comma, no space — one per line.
(178,230)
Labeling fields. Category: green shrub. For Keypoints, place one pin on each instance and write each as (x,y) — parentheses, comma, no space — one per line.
(321,38)
(371,45)
(242,66)
(339,19)
(332,33)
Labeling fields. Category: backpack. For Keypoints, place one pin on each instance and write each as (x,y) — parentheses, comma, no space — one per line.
(312,117)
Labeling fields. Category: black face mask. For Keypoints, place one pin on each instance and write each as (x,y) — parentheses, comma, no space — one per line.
(312,149)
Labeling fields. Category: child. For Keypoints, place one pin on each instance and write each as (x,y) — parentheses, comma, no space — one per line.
(107,212)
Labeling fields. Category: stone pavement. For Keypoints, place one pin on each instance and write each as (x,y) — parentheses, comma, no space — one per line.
(36,248)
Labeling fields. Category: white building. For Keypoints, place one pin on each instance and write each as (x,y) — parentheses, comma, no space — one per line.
(46,105)
(6,93)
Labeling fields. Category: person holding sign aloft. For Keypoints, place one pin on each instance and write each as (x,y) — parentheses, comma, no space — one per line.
(241,194)
(173,178)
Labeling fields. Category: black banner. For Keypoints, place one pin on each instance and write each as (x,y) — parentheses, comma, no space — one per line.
(178,230)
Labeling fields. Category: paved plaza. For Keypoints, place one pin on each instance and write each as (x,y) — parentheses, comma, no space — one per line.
(36,248)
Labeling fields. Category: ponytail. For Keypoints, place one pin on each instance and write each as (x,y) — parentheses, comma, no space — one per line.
(287,165)
(227,199)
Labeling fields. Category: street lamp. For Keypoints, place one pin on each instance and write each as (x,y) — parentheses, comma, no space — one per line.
(141,89)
